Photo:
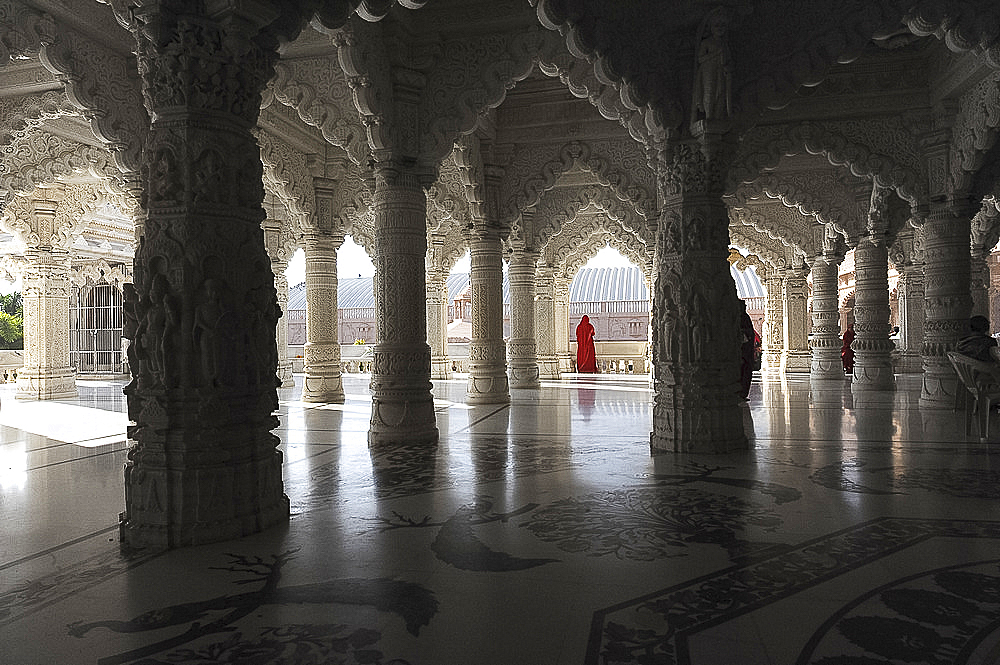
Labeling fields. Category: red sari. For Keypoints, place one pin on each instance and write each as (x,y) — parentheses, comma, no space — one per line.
(586,355)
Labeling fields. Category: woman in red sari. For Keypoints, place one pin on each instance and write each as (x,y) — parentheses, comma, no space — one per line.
(586,355)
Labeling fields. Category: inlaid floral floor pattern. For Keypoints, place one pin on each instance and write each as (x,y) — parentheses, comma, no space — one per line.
(851,532)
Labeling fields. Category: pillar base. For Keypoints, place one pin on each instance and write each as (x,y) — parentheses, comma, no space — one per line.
(488,387)
(688,419)
(827,368)
(548,369)
(327,388)
(440,367)
(909,362)
(51,384)
(285,374)
(524,376)
(796,362)
(939,385)
(202,470)
(873,377)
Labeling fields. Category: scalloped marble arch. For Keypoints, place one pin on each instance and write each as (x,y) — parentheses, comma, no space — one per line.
(560,207)
(340,127)
(764,146)
(35,165)
(287,176)
(957,22)
(597,242)
(453,111)
(824,205)
(738,236)
(98,81)
(574,234)
(29,112)
(801,240)
(528,188)
(74,204)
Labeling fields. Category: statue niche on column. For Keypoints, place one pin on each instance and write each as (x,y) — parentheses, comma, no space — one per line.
(711,97)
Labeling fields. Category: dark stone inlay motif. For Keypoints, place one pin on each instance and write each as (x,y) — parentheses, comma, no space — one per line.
(38,594)
(655,628)
(648,523)
(937,617)
(457,544)
(412,602)
(847,476)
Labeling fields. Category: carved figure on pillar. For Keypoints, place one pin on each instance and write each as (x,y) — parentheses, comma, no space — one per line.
(712,95)
(696,345)
(204,380)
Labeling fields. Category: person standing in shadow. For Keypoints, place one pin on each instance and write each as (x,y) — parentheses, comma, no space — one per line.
(846,352)
(586,353)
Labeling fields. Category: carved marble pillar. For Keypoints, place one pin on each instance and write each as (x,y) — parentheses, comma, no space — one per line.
(437,323)
(322,381)
(204,466)
(523,354)
(795,356)
(872,348)
(825,342)
(45,287)
(907,255)
(696,354)
(487,353)
(947,302)
(545,326)
(774,320)
(560,290)
(402,404)
(272,235)
(979,282)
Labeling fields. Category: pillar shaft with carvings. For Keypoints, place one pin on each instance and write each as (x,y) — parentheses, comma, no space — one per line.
(487,353)
(947,302)
(402,404)
(696,355)
(272,242)
(774,320)
(323,381)
(907,254)
(204,466)
(796,356)
(437,323)
(872,347)
(46,285)
(979,282)
(561,297)
(523,353)
(825,342)
(545,326)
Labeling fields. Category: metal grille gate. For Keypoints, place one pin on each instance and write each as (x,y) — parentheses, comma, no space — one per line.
(95,329)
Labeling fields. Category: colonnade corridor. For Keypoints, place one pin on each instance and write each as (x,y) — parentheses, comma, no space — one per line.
(857,528)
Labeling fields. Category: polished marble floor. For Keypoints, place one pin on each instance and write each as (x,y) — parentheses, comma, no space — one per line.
(858,530)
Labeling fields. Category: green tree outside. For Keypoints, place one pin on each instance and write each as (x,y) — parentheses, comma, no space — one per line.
(11,321)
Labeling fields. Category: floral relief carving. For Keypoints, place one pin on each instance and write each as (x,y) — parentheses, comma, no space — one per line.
(19,117)
(843,144)
(619,165)
(42,159)
(319,91)
(974,131)
(286,173)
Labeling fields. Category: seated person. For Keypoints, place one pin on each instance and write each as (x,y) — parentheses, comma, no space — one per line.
(977,344)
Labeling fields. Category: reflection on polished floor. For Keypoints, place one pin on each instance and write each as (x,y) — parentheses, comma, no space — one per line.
(858,530)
